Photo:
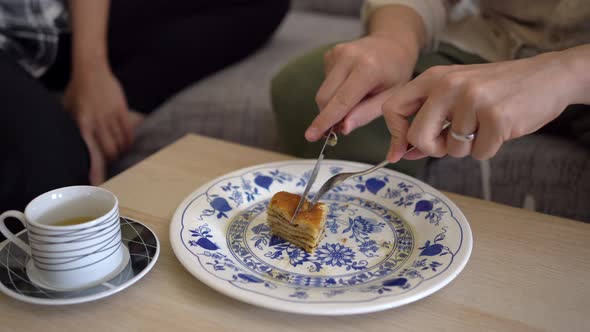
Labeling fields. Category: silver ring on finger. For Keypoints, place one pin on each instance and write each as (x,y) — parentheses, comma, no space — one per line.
(463,137)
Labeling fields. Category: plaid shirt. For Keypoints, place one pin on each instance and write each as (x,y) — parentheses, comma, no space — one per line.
(29,31)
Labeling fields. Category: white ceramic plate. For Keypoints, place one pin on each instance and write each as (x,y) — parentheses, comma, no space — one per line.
(391,240)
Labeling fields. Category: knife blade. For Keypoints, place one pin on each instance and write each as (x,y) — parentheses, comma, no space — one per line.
(331,140)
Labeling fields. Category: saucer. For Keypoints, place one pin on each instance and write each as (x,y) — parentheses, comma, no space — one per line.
(16,281)
(34,276)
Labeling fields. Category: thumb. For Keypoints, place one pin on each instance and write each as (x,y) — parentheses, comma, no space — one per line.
(396,118)
(398,128)
(97,172)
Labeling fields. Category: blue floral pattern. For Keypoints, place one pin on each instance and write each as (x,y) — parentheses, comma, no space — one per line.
(370,249)
(354,247)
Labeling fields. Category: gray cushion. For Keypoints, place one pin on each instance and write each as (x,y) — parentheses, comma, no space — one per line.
(544,173)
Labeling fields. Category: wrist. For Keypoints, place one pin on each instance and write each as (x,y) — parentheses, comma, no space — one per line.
(87,56)
(88,64)
(575,66)
(399,24)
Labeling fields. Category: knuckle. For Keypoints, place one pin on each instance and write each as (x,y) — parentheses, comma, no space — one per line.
(493,117)
(321,99)
(452,81)
(474,90)
(388,107)
(435,71)
(343,50)
(398,129)
(340,100)
(477,93)
(368,61)
(417,140)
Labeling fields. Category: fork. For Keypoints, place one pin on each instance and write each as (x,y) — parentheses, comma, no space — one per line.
(341,177)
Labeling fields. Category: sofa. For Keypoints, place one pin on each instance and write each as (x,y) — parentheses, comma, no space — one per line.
(540,172)
(234,104)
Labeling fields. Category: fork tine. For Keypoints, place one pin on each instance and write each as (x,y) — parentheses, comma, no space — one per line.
(339,178)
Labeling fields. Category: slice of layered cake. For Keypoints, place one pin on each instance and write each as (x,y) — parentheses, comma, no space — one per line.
(307,229)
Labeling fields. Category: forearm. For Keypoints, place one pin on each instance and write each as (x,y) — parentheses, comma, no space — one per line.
(89,20)
(576,63)
(432,13)
(400,24)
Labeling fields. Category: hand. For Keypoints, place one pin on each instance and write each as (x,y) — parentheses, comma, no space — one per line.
(361,74)
(497,101)
(96,100)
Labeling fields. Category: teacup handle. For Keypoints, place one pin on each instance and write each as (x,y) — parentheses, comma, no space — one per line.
(8,234)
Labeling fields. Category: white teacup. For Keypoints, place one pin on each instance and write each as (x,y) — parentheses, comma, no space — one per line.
(67,257)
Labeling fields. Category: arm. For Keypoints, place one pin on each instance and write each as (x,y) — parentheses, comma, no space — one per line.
(89,30)
(93,95)
(433,14)
(576,63)
(399,24)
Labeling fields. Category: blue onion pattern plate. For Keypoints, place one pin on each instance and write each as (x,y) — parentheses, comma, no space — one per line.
(390,240)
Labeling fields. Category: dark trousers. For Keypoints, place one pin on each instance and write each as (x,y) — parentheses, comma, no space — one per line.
(156,48)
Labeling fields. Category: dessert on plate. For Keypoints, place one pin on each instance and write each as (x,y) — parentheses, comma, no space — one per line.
(307,230)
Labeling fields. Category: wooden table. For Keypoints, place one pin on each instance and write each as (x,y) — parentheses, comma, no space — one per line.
(528,271)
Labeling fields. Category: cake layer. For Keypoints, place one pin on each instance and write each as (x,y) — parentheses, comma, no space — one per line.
(279,227)
(307,245)
(306,230)
(296,228)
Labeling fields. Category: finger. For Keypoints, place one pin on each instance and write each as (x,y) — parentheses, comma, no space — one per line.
(415,155)
(487,142)
(117,134)
(463,122)
(398,127)
(126,127)
(106,141)
(417,89)
(425,131)
(135,120)
(356,86)
(397,123)
(328,61)
(335,76)
(97,171)
(365,112)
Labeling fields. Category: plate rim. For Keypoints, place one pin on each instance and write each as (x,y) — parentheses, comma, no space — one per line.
(85,298)
(319,309)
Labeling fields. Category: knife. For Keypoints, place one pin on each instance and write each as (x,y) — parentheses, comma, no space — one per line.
(331,140)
